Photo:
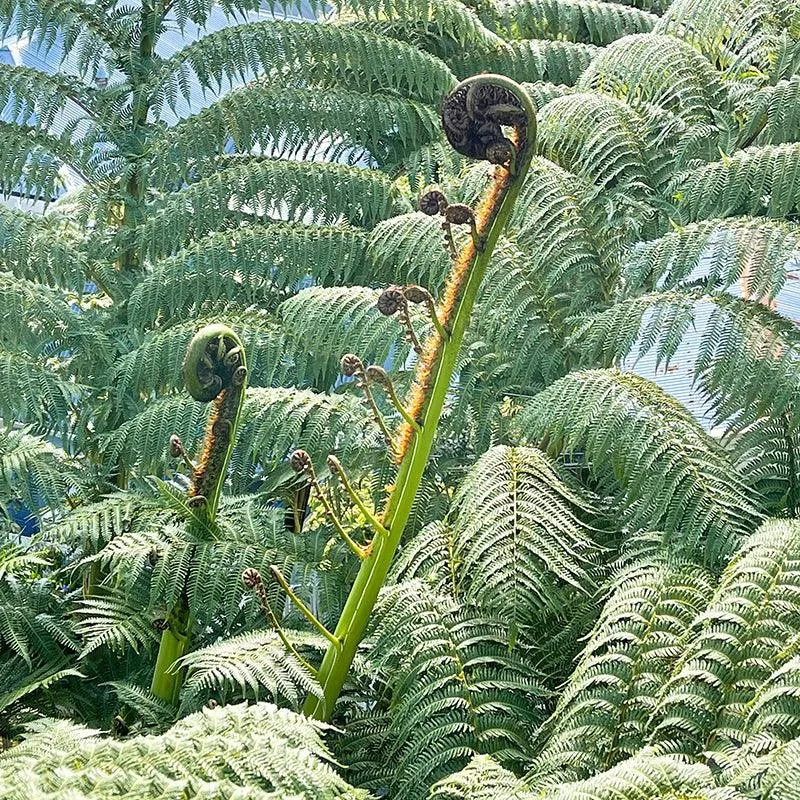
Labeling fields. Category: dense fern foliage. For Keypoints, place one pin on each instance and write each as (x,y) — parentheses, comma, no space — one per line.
(597,593)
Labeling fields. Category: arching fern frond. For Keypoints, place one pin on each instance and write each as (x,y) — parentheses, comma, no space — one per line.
(482,779)
(520,544)
(645,448)
(771,114)
(602,714)
(245,266)
(574,20)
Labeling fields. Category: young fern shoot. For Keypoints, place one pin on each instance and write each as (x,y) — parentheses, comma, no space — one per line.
(474,117)
(214,370)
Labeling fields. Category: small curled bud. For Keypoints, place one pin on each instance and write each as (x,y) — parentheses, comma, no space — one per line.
(350,365)
(432,201)
(417,294)
(198,501)
(300,461)
(500,151)
(391,300)
(251,578)
(377,375)
(334,465)
(176,446)
(459,214)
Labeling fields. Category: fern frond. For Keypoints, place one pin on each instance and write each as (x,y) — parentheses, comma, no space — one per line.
(560,62)
(245,266)
(646,449)
(602,714)
(482,779)
(760,181)
(324,55)
(749,629)
(251,665)
(775,708)
(771,114)
(574,20)
(658,69)
(456,689)
(332,125)
(259,750)
(519,541)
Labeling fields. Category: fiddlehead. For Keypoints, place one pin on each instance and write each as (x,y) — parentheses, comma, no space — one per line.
(214,369)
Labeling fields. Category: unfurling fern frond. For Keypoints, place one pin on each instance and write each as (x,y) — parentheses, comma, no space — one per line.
(644,447)
(750,628)
(602,715)
(261,750)
(519,541)
(251,665)
(456,689)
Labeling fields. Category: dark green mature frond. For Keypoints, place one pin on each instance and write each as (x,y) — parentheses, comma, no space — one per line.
(542,92)
(596,137)
(602,715)
(658,69)
(456,688)
(32,394)
(252,665)
(335,124)
(155,366)
(520,544)
(257,750)
(322,324)
(645,448)
(247,189)
(301,54)
(245,266)
(409,248)
(753,252)
(33,471)
(42,249)
(761,181)
(557,62)
(750,628)
(755,32)
(574,20)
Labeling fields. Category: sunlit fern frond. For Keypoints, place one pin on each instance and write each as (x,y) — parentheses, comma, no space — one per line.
(454,684)
(249,189)
(644,448)
(771,114)
(335,124)
(322,324)
(325,55)
(760,181)
(247,266)
(559,62)
(258,749)
(482,779)
(775,709)
(253,665)
(753,252)
(574,20)
(602,714)
(155,366)
(519,541)
(658,69)
(430,557)
(750,628)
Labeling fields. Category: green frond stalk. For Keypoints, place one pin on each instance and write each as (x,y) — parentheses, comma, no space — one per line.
(434,375)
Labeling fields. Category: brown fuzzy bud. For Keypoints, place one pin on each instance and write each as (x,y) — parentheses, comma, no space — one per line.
(251,578)
(198,501)
(417,294)
(300,461)
(175,446)
(350,365)
(459,214)
(377,375)
(432,201)
(391,300)
(500,151)
(334,465)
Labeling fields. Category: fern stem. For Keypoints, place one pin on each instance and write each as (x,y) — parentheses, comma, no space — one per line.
(352,624)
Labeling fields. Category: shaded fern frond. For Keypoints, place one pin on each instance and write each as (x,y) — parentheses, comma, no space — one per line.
(252,665)
(646,449)
(519,541)
(574,20)
(771,114)
(750,628)
(602,715)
